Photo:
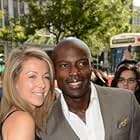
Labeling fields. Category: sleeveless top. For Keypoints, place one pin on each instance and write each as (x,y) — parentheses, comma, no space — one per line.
(1,138)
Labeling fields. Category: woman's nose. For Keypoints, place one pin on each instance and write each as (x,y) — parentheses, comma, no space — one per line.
(41,83)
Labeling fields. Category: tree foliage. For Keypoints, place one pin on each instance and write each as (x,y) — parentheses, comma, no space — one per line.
(1,14)
(13,32)
(94,21)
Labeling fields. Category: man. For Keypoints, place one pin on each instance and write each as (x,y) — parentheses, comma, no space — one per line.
(85,111)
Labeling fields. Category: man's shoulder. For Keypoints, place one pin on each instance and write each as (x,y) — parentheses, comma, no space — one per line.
(116,99)
(115,92)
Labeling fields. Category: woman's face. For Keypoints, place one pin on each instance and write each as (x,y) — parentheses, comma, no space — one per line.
(128,80)
(33,82)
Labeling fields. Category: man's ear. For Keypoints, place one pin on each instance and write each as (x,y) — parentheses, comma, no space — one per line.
(92,66)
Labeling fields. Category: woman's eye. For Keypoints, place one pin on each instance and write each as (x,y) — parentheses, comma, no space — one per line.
(32,76)
(47,77)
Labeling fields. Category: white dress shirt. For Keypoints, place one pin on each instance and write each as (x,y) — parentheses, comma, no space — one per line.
(93,129)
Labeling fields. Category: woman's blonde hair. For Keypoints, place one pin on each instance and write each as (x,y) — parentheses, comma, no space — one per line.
(10,97)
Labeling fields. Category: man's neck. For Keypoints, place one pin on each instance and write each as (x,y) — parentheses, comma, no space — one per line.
(78,106)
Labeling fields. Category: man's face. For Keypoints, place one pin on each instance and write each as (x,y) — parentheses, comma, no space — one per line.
(73,71)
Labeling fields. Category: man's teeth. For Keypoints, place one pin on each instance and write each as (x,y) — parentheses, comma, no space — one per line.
(75,83)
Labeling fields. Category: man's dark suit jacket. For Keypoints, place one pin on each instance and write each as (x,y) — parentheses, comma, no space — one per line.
(120,112)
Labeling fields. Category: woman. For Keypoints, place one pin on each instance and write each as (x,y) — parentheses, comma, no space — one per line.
(28,97)
(127,77)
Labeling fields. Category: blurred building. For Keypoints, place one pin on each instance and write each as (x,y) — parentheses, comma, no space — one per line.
(11,9)
(136,18)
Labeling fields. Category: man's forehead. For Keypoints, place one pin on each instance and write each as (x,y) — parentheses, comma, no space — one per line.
(68,46)
(71,53)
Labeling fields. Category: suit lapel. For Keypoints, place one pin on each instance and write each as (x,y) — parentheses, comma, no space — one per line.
(64,131)
(106,111)
(58,122)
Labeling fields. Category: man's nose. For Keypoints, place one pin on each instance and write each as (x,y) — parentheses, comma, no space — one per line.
(74,70)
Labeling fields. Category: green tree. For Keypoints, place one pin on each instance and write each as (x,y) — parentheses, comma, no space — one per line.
(135,26)
(94,21)
(1,14)
(13,32)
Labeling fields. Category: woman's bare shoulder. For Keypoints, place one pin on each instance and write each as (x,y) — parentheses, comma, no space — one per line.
(19,125)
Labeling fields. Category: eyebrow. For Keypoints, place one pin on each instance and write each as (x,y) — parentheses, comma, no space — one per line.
(128,77)
(36,72)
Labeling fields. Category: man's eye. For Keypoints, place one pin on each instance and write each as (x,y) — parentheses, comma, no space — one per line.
(83,64)
(63,65)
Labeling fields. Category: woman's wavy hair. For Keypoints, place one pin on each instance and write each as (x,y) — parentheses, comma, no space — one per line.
(11,98)
(122,68)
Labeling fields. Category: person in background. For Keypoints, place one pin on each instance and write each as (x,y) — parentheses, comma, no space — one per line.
(28,97)
(127,53)
(85,111)
(138,65)
(126,62)
(99,78)
(127,77)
